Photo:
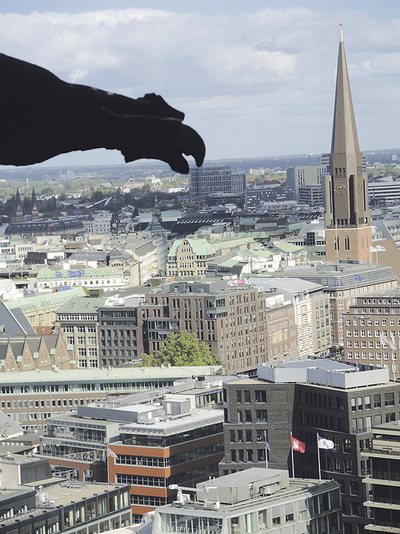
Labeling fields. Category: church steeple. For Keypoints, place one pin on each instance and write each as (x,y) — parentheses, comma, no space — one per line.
(347,215)
(344,133)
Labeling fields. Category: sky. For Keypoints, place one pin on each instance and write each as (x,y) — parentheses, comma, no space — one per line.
(254,78)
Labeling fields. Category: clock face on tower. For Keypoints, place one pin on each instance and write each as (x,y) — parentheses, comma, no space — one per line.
(340,187)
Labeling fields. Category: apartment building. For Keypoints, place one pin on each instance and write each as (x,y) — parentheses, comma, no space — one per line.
(230,319)
(311,312)
(372,330)
(78,319)
(338,401)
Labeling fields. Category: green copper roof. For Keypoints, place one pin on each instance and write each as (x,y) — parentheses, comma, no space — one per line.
(47,300)
(50,274)
(200,247)
(82,305)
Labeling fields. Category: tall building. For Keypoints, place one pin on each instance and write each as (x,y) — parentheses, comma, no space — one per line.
(207,181)
(305,175)
(338,401)
(372,330)
(231,320)
(347,215)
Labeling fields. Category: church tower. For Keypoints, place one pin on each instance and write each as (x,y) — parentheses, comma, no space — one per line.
(19,214)
(34,208)
(347,217)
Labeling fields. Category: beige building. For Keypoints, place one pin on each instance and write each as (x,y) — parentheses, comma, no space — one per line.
(372,330)
(280,327)
(40,309)
(189,257)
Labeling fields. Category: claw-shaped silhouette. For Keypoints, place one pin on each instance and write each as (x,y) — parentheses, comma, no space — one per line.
(43,116)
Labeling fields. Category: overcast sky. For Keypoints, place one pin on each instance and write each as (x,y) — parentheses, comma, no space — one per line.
(253,80)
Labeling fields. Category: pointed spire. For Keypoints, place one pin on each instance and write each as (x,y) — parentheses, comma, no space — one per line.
(33,198)
(344,134)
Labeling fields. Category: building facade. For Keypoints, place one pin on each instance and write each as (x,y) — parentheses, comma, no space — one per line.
(206,181)
(335,400)
(372,330)
(382,486)
(78,319)
(305,175)
(231,320)
(259,500)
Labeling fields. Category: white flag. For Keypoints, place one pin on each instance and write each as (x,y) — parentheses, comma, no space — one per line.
(379,248)
(326,444)
(373,249)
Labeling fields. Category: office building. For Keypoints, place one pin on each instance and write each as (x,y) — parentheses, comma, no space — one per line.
(305,175)
(105,278)
(343,282)
(347,215)
(120,331)
(259,194)
(64,508)
(208,181)
(32,396)
(336,400)
(255,501)
(382,476)
(372,330)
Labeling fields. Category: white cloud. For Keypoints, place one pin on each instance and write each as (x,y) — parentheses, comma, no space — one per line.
(258,81)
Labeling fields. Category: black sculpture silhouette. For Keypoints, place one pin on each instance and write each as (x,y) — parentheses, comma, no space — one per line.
(43,116)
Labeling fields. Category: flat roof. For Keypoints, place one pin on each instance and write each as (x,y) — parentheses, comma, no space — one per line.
(172,425)
(94,375)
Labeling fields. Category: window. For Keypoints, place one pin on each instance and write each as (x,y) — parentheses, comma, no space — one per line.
(260,396)
(377,401)
(389,399)
(261,416)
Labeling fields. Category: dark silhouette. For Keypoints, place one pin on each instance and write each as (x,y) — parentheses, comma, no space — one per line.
(43,116)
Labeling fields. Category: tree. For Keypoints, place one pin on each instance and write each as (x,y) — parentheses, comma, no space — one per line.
(180,350)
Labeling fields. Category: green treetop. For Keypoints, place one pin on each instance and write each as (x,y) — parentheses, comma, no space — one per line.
(180,350)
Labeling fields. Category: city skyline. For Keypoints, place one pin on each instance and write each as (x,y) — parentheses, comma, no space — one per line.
(253,81)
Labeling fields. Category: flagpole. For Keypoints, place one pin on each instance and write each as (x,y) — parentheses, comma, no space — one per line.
(319,457)
(266,449)
(291,448)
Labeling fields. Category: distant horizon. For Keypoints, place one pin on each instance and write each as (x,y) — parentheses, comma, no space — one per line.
(251,79)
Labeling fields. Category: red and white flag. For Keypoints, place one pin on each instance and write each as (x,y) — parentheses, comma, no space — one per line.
(298,445)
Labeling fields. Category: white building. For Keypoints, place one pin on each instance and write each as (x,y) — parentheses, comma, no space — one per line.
(253,501)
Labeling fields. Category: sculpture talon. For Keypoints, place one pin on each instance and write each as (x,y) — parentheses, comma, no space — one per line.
(43,116)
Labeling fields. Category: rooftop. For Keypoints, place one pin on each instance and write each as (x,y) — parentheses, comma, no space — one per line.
(100,375)
(322,372)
